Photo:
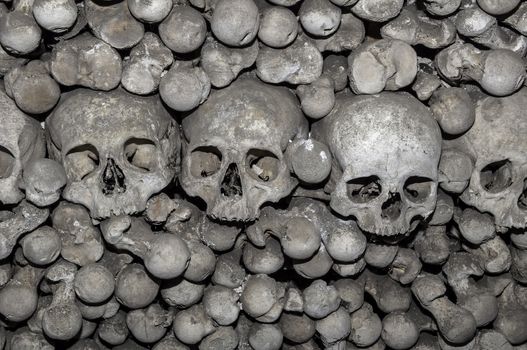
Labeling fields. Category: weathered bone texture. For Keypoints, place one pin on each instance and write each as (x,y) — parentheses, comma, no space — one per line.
(42,246)
(235,22)
(385,64)
(464,62)
(184,87)
(318,98)
(21,142)
(304,226)
(415,28)
(453,109)
(484,29)
(86,61)
(319,17)
(263,174)
(456,324)
(55,15)
(8,61)
(19,32)
(113,168)
(349,35)
(278,27)
(62,319)
(377,10)
(382,178)
(234,149)
(114,24)
(32,87)
(223,64)
(25,218)
(81,240)
(143,68)
(299,63)
(497,181)
(401,330)
(151,11)
(22,287)
(426,80)
(517,19)
(184,30)
(43,180)
(135,236)
(441,7)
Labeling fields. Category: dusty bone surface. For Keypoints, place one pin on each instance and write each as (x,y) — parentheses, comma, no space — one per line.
(263,174)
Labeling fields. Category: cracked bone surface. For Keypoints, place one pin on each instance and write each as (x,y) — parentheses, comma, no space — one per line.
(484,29)
(32,87)
(466,62)
(385,64)
(113,23)
(455,324)
(299,63)
(143,68)
(86,61)
(135,236)
(263,174)
(349,35)
(62,319)
(414,27)
(223,64)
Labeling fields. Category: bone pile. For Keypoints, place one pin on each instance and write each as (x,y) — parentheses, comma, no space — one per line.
(263,174)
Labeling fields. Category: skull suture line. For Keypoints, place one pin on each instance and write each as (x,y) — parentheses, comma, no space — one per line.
(234,152)
(117,149)
(21,140)
(497,144)
(386,149)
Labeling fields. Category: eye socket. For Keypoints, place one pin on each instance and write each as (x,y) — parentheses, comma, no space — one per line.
(262,165)
(205,161)
(364,189)
(417,189)
(522,201)
(141,153)
(497,176)
(81,161)
(7,163)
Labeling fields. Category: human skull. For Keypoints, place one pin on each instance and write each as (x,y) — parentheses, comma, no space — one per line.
(21,141)
(386,149)
(117,149)
(234,151)
(497,145)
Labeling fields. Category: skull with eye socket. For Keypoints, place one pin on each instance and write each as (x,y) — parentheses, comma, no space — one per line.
(117,149)
(497,145)
(386,150)
(21,141)
(234,149)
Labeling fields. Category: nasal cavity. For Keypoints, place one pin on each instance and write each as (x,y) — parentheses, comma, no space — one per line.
(231,186)
(112,180)
(391,209)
